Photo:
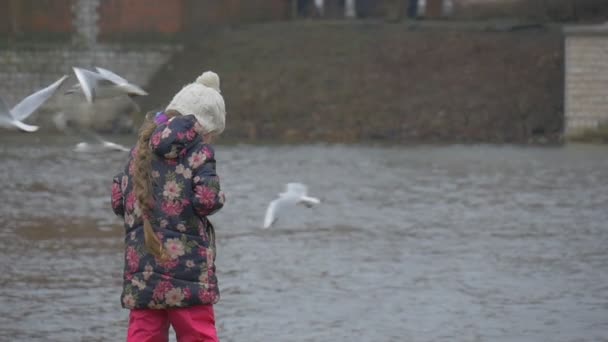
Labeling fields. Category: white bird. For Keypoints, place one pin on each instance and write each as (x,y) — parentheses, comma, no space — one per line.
(102,84)
(14,117)
(99,146)
(295,193)
(96,143)
(92,142)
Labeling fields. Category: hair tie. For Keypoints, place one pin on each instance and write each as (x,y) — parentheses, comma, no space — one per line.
(161,118)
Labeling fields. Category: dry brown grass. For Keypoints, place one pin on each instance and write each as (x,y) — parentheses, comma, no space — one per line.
(372,81)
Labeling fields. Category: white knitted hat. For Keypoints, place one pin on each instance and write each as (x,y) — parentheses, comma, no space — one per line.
(202,99)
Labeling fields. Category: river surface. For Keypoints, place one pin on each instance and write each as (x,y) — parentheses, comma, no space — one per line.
(418,243)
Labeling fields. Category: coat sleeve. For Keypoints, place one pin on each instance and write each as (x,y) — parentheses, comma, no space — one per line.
(117,196)
(207,197)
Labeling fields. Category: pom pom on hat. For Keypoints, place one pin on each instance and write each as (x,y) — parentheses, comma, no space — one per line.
(203,100)
(209,79)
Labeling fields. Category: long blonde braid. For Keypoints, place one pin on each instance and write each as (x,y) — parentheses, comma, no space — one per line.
(142,181)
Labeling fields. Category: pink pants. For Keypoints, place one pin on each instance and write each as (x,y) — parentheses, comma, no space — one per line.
(191,324)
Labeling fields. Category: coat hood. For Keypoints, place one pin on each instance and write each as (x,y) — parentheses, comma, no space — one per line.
(174,137)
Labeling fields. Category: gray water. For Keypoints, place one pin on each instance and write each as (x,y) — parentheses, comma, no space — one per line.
(425,243)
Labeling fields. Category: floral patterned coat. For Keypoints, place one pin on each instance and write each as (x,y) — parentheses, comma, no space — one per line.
(186,190)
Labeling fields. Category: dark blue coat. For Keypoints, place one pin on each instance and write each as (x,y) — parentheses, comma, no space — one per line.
(186,190)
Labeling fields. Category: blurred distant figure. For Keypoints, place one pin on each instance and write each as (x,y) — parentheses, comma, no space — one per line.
(332,8)
(447,8)
(320,8)
(303,8)
(350,10)
(412,9)
(364,8)
(164,194)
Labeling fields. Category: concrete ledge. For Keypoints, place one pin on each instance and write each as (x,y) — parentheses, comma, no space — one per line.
(587,30)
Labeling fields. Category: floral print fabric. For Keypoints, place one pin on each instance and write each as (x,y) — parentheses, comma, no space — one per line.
(186,189)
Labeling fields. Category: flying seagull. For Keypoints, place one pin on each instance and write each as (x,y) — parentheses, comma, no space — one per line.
(14,117)
(295,193)
(96,143)
(92,142)
(102,84)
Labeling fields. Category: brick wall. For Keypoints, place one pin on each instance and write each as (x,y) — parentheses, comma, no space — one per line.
(140,16)
(117,17)
(586,78)
(201,13)
(35,16)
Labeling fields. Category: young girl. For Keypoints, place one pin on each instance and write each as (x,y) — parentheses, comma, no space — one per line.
(165,193)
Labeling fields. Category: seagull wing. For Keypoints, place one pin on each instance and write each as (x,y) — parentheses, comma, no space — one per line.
(123,84)
(25,127)
(111,76)
(271,213)
(93,138)
(88,82)
(115,146)
(7,119)
(132,89)
(27,106)
(309,201)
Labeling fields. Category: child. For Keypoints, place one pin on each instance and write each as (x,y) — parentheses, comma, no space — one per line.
(165,193)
